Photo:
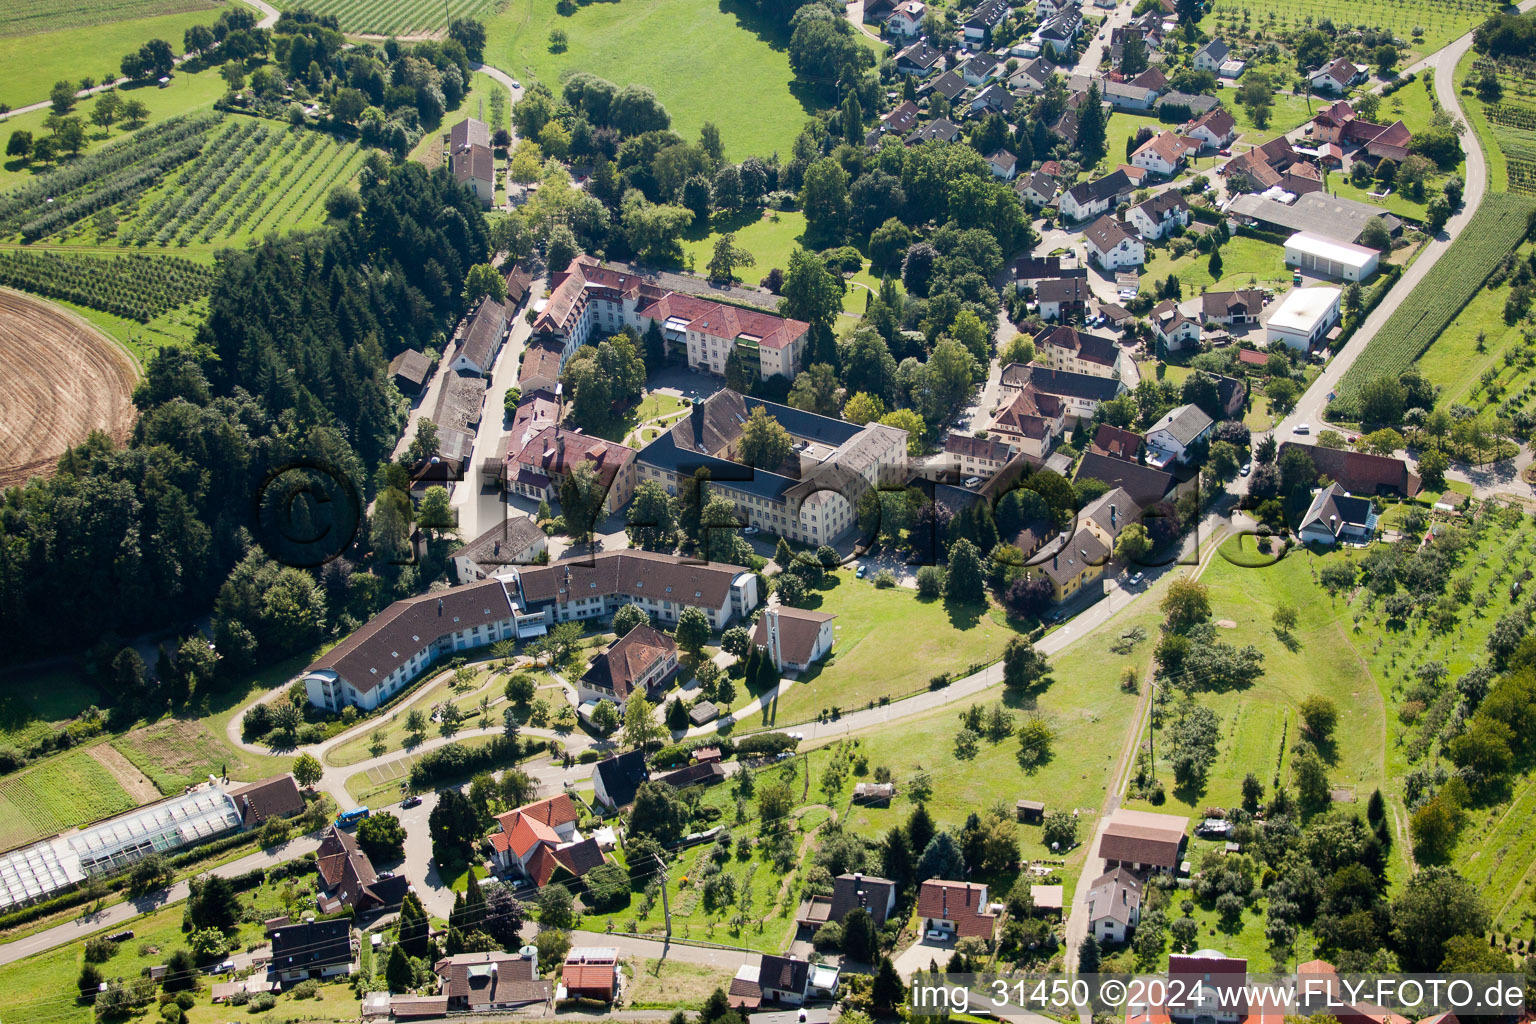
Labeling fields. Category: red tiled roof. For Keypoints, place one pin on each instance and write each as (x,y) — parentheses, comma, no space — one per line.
(588,979)
(959,902)
(1122,444)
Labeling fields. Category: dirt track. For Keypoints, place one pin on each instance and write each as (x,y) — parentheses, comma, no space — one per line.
(59,380)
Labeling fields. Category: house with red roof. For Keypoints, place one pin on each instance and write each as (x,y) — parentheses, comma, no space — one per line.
(539,842)
(538,466)
(958,908)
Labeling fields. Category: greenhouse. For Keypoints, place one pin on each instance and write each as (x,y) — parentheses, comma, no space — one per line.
(160,828)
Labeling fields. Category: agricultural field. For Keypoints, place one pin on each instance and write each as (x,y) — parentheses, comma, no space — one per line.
(63,792)
(135,286)
(1427,25)
(941,638)
(1508,124)
(394,17)
(1495,229)
(1494,371)
(42,44)
(31,17)
(696,56)
(64,380)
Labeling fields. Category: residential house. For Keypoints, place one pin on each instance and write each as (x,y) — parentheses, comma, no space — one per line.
(764,343)
(1031,422)
(940,129)
(1231,393)
(1171,327)
(793,638)
(876,11)
(1128,96)
(480,982)
(277,797)
(1152,78)
(539,843)
(1003,164)
(642,659)
(1058,34)
(918,59)
(662,585)
(980,69)
(481,339)
(950,85)
(590,973)
(898,123)
(1164,153)
(540,466)
(1079,393)
(1328,124)
(516,540)
(1063,298)
(1232,308)
(1111,246)
(616,779)
(906,19)
(979,457)
(1336,516)
(1114,906)
(1215,129)
(1045,10)
(1175,432)
(1066,127)
(1146,485)
(519,282)
(1142,841)
(976,30)
(876,895)
(471,161)
(540,369)
(1262,167)
(409,370)
(349,877)
(994,99)
(1027,270)
(1036,190)
(1379,142)
(1211,56)
(1159,216)
(1147,28)
(1032,76)
(1070,563)
(1187,105)
(312,949)
(1066,348)
(1116,442)
(1303,318)
(1336,78)
(1107,516)
(1361,473)
(811,497)
(957,908)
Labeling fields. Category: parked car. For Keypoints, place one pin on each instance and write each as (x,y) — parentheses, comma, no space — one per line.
(1223,152)
(1136,580)
(750,531)
(1247,468)
(860,571)
(972,481)
(227,967)
(411,801)
(1302,428)
(121,936)
(937,934)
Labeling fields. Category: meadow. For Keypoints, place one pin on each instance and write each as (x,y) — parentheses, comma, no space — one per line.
(697,55)
(1244,262)
(63,792)
(1427,25)
(41,44)
(1457,361)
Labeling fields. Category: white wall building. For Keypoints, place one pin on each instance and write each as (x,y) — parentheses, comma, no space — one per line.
(1304,318)
(1329,258)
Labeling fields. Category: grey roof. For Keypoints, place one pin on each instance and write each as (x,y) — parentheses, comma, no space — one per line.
(1106,233)
(920,55)
(1163,203)
(940,129)
(1115,895)
(1185,423)
(622,775)
(483,336)
(1062,382)
(1216,49)
(1333,508)
(1145,484)
(1111,511)
(1318,213)
(497,545)
(949,85)
(313,944)
(846,890)
(1063,289)
(1071,557)
(469,132)
(988,14)
(1111,185)
(1197,103)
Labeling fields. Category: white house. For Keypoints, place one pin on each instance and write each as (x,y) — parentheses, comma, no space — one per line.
(1091,198)
(977,29)
(794,638)
(1172,327)
(1304,317)
(1170,438)
(1163,154)
(1003,164)
(1336,78)
(1111,246)
(1335,515)
(1215,129)
(1211,56)
(1329,258)
(1159,215)
(906,21)
(1114,906)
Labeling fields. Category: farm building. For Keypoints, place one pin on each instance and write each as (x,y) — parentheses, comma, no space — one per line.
(1342,260)
(1303,317)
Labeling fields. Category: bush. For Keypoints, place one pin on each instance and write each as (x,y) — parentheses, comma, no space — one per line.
(607,888)
(99,950)
(305,989)
(765,743)
(587,756)
(930,581)
(885,579)
(262,1002)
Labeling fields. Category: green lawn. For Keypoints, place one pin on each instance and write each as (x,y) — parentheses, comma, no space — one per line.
(486,684)
(665,984)
(34,62)
(1472,107)
(706,62)
(935,638)
(1287,113)
(32,706)
(62,792)
(1257,720)
(1242,259)
(185,94)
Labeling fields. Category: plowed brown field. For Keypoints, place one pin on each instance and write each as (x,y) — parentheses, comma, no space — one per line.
(59,380)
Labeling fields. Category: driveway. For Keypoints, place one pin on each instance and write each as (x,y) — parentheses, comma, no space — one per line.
(917,956)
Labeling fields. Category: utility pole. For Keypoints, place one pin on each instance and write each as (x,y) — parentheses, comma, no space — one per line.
(1152,730)
(666,908)
(806,792)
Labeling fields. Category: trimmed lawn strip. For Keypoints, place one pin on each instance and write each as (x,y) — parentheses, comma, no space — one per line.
(1243,259)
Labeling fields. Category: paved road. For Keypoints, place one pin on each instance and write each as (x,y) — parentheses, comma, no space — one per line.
(1089,64)
(122,913)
